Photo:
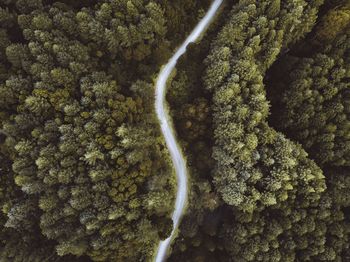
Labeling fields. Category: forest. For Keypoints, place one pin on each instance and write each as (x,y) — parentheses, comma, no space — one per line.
(260,107)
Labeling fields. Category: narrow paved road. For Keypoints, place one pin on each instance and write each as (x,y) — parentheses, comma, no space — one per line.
(168,131)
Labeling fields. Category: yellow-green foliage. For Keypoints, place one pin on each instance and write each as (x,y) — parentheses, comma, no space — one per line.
(84,171)
(250,155)
(332,24)
(273,202)
(83,165)
(313,102)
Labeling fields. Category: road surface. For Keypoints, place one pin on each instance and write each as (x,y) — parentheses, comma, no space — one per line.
(168,130)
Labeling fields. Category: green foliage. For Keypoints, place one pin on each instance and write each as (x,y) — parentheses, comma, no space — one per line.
(333,24)
(313,102)
(255,165)
(111,30)
(273,203)
(86,172)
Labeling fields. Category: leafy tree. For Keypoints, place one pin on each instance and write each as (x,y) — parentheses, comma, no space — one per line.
(255,165)
(85,161)
(274,202)
(313,102)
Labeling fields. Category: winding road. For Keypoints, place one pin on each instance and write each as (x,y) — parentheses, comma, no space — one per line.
(168,130)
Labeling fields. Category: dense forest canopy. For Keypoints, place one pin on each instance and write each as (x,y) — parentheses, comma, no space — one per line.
(260,105)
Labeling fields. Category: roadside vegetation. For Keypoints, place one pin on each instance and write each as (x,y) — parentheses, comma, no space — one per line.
(261,106)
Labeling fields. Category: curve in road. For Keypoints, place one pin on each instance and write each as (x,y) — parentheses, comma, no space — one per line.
(168,131)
